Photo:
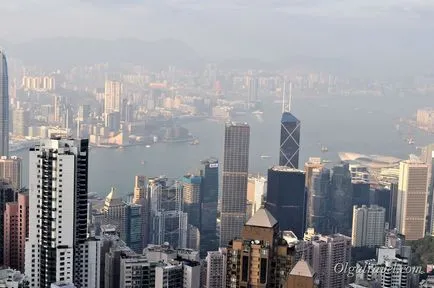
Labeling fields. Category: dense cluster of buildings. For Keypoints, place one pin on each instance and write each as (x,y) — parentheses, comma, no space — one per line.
(220,227)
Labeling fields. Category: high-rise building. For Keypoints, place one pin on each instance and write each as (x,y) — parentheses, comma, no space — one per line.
(58,248)
(139,189)
(7,194)
(4,106)
(10,170)
(83,113)
(16,230)
(136,271)
(368,226)
(20,122)
(289,133)
(112,96)
(191,198)
(252,89)
(168,223)
(318,191)
(412,199)
(234,180)
(361,193)
(260,257)
(287,198)
(302,275)
(209,200)
(329,252)
(341,192)
(256,192)
(132,226)
(216,268)
(140,197)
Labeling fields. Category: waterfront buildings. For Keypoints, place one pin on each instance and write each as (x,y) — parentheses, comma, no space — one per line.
(287,198)
(112,96)
(412,199)
(15,232)
(234,180)
(4,106)
(58,248)
(368,226)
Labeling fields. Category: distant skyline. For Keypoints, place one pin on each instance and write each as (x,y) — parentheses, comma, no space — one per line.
(395,30)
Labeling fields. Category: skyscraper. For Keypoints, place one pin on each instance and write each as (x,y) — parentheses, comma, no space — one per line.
(287,198)
(368,226)
(412,199)
(58,248)
(10,170)
(216,262)
(252,89)
(318,190)
(209,200)
(7,194)
(139,189)
(234,184)
(4,106)
(168,223)
(341,192)
(191,198)
(16,230)
(112,96)
(289,136)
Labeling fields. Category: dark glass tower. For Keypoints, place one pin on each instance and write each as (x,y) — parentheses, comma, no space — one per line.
(287,198)
(341,199)
(209,199)
(289,140)
(319,194)
(4,106)
(234,184)
(361,193)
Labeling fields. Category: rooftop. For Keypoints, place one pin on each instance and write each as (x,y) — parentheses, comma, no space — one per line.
(302,268)
(286,169)
(288,117)
(262,218)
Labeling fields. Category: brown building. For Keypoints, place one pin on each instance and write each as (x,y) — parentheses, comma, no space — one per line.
(261,257)
(302,276)
(16,229)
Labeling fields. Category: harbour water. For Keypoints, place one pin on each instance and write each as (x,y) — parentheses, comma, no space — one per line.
(356,124)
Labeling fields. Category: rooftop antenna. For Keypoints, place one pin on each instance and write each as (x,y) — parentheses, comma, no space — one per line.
(283,96)
(290,97)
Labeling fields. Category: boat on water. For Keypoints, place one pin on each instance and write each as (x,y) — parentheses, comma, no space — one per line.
(410,141)
(324,149)
(265,156)
(257,112)
(148,146)
(194,142)
(143,162)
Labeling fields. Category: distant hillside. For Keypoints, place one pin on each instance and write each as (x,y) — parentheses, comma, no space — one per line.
(66,52)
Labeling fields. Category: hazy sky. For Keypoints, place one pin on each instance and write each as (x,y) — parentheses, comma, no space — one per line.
(240,27)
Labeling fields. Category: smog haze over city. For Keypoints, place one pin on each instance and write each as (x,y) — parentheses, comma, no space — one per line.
(173,143)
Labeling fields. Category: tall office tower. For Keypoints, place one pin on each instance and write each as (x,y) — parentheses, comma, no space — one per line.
(20,122)
(309,166)
(252,89)
(191,199)
(382,196)
(139,189)
(112,96)
(412,199)
(368,226)
(58,187)
(261,257)
(341,197)
(4,106)
(216,268)
(234,180)
(132,227)
(112,260)
(287,198)
(113,210)
(10,170)
(256,192)
(318,191)
(7,194)
(289,134)
(330,252)
(57,108)
(16,230)
(361,193)
(168,223)
(209,198)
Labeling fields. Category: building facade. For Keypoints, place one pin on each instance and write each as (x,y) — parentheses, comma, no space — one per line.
(318,190)
(10,170)
(368,226)
(287,198)
(7,194)
(289,140)
(234,180)
(4,105)
(341,191)
(57,248)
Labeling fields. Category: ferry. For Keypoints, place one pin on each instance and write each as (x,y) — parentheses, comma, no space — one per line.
(143,162)
(194,142)
(257,112)
(324,149)
(265,156)
(148,146)
(410,141)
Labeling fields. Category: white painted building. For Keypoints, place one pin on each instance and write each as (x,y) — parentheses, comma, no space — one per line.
(368,226)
